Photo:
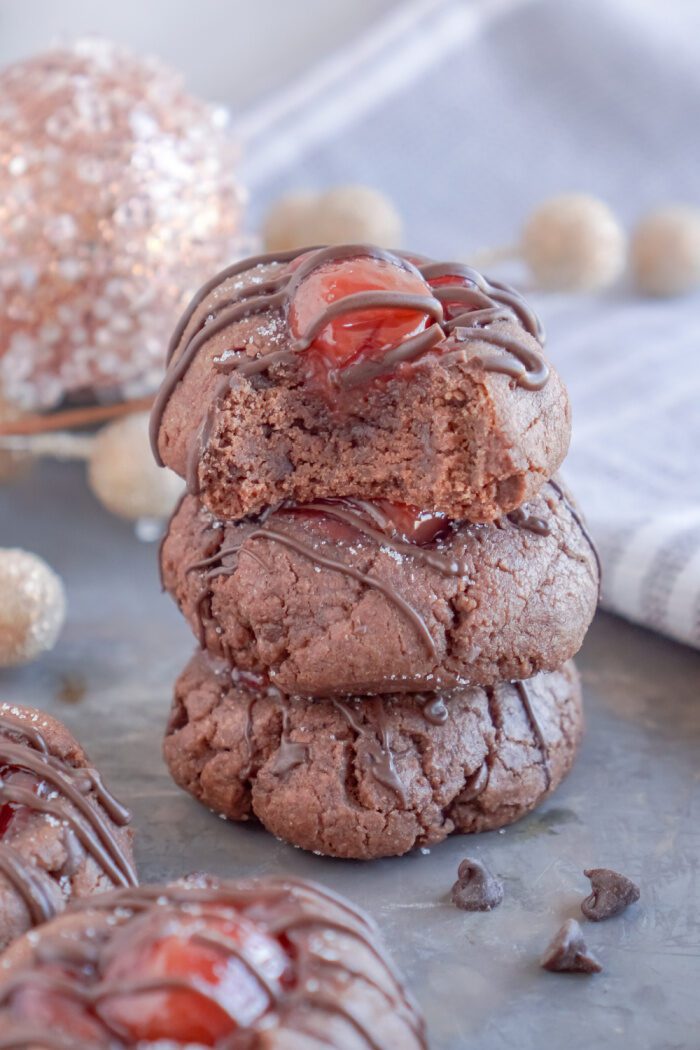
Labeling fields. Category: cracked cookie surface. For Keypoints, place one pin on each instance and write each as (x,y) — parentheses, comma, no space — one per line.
(328,609)
(370,777)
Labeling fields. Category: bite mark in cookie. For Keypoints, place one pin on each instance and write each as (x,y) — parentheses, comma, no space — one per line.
(356,370)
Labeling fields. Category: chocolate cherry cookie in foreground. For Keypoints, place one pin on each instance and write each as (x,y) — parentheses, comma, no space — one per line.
(347,596)
(371,776)
(259,964)
(356,371)
(62,834)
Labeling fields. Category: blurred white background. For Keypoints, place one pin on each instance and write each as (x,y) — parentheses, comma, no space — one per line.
(231,51)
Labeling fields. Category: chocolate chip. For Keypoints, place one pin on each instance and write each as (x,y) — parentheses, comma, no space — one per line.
(568,953)
(476,888)
(611,894)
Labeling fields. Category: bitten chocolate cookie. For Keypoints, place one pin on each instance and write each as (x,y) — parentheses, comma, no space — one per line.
(346,597)
(266,964)
(354,371)
(62,834)
(370,777)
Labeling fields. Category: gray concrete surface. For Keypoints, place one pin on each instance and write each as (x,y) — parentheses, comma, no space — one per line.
(632,802)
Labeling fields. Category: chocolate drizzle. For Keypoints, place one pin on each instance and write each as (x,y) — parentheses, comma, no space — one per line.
(474,311)
(66,799)
(29,883)
(290,753)
(530,522)
(523,692)
(370,520)
(287,909)
(361,516)
(475,784)
(380,757)
(581,524)
(435,710)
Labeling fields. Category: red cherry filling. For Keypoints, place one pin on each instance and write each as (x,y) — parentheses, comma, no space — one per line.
(417,526)
(356,333)
(16,777)
(412,524)
(333,528)
(203,989)
(455,306)
(7,811)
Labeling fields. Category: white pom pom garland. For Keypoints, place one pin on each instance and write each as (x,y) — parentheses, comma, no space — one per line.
(665,251)
(345,214)
(573,242)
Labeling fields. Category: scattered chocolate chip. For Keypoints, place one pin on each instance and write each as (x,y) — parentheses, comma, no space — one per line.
(476,888)
(568,952)
(611,894)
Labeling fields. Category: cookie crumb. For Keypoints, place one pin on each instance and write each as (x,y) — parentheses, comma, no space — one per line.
(611,893)
(568,952)
(476,888)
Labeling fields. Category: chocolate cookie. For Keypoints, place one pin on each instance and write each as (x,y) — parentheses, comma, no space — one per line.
(353,371)
(62,834)
(370,777)
(263,964)
(335,597)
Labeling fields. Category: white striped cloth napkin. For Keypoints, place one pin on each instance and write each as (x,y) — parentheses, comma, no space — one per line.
(468,113)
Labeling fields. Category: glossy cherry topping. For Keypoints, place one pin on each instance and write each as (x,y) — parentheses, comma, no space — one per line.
(452,307)
(197,980)
(342,516)
(356,333)
(415,525)
(20,778)
(6,814)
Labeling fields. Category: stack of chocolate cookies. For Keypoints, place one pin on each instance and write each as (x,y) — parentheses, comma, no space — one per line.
(386,578)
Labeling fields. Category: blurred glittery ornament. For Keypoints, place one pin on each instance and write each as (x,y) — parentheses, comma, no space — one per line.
(117,199)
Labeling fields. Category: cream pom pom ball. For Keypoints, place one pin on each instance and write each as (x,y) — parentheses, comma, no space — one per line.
(573,242)
(344,215)
(285,224)
(665,251)
(32,606)
(123,475)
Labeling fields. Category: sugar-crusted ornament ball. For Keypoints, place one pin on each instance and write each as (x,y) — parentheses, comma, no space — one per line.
(665,251)
(573,242)
(117,199)
(124,476)
(343,215)
(32,606)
